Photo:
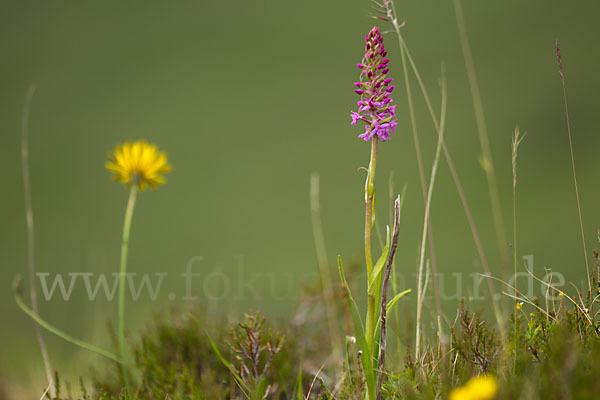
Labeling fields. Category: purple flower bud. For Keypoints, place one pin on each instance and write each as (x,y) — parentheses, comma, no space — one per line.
(373,107)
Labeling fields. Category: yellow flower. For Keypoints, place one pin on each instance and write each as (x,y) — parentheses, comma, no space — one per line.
(460,393)
(519,306)
(482,387)
(138,163)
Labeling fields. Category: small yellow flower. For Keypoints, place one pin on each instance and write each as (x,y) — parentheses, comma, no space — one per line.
(460,393)
(138,163)
(482,387)
(519,306)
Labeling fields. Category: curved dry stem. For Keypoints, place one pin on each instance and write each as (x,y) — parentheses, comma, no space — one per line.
(522,296)
(313,381)
(564,294)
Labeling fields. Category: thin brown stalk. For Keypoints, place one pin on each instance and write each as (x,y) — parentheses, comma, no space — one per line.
(383,302)
(487,161)
(31,236)
(564,88)
(516,141)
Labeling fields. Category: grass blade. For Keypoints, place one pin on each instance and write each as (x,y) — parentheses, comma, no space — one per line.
(226,363)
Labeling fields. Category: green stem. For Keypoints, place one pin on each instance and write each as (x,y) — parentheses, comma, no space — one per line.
(122,277)
(369,216)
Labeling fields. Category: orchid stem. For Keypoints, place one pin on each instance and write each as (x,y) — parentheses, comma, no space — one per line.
(369,217)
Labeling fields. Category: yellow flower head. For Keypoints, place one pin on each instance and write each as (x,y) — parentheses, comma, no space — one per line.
(519,306)
(482,387)
(139,164)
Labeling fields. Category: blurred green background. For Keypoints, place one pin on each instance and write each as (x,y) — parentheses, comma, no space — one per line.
(250,97)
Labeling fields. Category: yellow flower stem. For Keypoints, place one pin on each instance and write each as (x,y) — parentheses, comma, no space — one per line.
(122,278)
(369,217)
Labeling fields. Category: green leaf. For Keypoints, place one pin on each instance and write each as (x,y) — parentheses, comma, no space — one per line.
(396,299)
(261,390)
(390,306)
(376,272)
(299,385)
(63,335)
(359,333)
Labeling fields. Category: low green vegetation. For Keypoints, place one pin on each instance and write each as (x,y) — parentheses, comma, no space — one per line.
(555,355)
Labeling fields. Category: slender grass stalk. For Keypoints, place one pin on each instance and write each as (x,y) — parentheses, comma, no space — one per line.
(487,161)
(369,216)
(41,322)
(516,141)
(422,180)
(122,277)
(564,87)
(46,392)
(326,285)
(31,237)
(438,152)
(312,384)
(391,16)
